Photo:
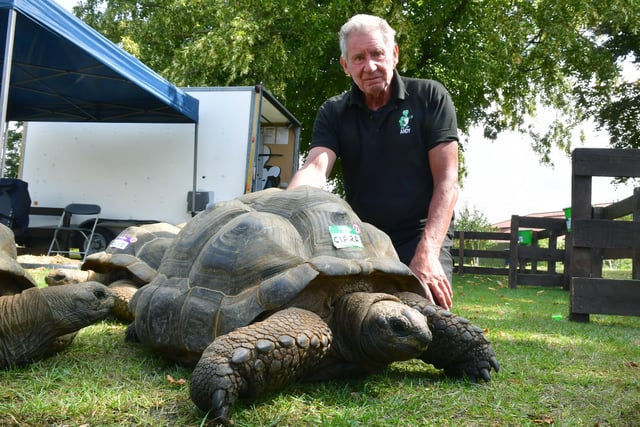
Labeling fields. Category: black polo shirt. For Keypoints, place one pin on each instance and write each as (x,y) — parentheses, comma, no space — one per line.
(385,165)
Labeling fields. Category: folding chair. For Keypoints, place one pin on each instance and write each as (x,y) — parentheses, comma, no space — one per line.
(60,244)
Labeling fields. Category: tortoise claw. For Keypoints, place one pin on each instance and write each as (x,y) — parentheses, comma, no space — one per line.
(482,368)
(495,364)
(474,370)
(220,407)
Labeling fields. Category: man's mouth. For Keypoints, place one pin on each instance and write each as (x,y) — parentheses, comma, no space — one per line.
(373,79)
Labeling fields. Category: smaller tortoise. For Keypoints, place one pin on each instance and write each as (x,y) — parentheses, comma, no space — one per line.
(36,323)
(278,285)
(129,262)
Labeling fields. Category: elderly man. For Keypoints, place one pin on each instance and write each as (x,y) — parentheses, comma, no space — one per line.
(397,138)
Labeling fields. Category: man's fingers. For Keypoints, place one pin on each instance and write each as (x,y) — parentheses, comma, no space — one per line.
(443,294)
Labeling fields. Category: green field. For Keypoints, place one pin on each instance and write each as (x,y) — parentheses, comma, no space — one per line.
(554,372)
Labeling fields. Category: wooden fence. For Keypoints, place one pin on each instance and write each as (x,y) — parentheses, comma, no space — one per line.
(521,255)
(465,251)
(596,235)
(520,261)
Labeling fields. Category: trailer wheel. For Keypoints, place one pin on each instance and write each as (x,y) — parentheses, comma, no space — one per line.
(101,239)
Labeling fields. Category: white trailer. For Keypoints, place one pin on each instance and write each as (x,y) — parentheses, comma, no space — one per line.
(245,140)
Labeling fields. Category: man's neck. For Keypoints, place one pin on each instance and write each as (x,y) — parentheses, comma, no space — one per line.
(374,103)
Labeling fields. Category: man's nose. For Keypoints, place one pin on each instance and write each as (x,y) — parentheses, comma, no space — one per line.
(370,65)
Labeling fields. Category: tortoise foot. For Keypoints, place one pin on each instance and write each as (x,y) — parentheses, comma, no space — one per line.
(256,358)
(458,347)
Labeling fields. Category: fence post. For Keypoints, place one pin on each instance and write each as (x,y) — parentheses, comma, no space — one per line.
(513,251)
(597,254)
(534,261)
(568,246)
(635,216)
(553,245)
(580,263)
(461,253)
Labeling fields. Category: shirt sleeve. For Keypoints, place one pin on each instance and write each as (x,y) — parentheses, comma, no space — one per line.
(442,125)
(325,128)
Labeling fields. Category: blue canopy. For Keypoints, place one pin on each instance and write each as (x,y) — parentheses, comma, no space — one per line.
(63,70)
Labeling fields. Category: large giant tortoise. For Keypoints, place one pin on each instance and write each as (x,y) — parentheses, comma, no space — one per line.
(277,285)
(129,262)
(34,322)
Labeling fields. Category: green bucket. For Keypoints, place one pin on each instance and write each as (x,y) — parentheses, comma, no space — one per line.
(525,237)
(567,216)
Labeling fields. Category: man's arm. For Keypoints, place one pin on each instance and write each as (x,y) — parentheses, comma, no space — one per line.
(425,264)
(316,168)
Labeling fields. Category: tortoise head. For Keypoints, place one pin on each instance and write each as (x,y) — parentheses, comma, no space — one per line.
(78,305)
(375,329)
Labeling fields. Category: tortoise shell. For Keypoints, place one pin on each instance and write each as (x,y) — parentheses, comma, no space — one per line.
(13,277)
(241,260)
(136,252)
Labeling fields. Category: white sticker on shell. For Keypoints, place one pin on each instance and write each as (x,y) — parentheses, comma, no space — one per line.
(344,236)
(121,242)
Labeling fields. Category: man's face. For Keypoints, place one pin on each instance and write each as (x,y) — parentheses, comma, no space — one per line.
(370,62)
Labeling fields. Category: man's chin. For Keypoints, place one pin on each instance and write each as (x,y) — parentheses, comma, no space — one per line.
(373,88)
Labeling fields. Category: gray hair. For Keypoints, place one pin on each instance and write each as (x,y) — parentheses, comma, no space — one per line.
(364,24)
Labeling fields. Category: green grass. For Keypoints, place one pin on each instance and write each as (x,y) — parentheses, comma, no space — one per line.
(554,372)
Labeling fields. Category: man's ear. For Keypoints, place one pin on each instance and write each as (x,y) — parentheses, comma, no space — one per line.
(396,51)
(343,62)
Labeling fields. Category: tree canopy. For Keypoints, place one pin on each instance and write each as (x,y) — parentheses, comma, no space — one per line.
(501,60)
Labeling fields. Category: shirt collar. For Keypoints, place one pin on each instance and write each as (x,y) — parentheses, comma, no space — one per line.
(398,91)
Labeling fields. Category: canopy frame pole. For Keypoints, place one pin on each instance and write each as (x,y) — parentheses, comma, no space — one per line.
(6,81)
(195,169)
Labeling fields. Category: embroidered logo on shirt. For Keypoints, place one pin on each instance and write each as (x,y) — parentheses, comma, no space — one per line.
(404,122)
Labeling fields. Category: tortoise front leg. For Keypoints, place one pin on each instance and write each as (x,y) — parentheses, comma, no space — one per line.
(256,358)
(458,346)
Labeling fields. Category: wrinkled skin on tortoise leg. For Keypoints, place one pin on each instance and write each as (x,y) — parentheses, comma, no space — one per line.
(458,347)
(256,358)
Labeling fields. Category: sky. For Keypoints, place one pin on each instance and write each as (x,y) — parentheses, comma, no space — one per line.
(67,4)
(505,177)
